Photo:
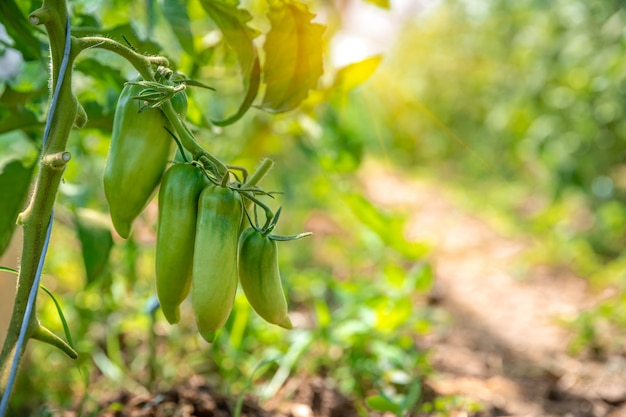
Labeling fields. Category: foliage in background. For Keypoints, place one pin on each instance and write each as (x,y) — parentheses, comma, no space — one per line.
(525,101)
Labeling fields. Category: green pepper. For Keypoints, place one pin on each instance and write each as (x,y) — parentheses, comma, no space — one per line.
(260,277)
(139,152)
(178,209)
(214,276)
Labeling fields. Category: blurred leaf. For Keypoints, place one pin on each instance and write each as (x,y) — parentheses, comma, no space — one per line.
(16,118)
(395,275)
(20,30)
(232,22)
(322,313)
(106,73)
(341,150)
(382,404)
(175,12)
(422,278)
(96,241)
(240,398)
(414,395)
(380,3)
(14,98)
(85,20)
(32,77)
(353,75)
(15,179)
(301,342)
(389,229)
(293,50)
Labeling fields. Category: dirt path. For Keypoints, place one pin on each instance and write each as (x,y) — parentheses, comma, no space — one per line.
(504,347)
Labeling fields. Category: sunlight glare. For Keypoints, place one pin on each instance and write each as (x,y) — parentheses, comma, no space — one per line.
(369,30)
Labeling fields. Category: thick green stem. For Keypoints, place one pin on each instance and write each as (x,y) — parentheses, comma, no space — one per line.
(34,220)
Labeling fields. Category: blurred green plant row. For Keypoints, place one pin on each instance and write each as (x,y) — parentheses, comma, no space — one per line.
(523,101)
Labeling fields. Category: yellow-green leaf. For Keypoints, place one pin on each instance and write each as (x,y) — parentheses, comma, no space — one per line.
(293,51)
(353,75)
(380,3)
(232,22)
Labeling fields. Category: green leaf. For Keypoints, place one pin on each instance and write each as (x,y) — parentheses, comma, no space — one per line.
(239,405)
(66,328)
(15,179)
(96,241)
(390,229)
(20,30)
(106,73)
(232,22)
(293,51)
(12,118)
(175,12)
(353,75)
(380,3)
(382,404)
(9,270)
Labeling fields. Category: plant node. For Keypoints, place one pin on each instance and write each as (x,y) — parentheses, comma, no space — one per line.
(40,16)
(57,161)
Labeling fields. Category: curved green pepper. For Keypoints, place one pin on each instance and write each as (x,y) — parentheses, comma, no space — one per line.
(178,209)
(214,276)
(139,152)
(260,277)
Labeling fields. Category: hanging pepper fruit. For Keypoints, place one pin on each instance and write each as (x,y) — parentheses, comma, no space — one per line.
(138,155)
(178,210)
(260,277)
(214,276)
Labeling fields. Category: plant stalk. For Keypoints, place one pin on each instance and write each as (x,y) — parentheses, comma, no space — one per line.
(34,220)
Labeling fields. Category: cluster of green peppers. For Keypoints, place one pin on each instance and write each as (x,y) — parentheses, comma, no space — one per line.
(200,250)
(200,244)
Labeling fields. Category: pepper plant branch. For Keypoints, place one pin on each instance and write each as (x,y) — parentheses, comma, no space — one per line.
(36,217)
(144,64)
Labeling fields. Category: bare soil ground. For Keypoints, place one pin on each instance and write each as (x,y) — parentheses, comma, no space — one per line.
(504,347)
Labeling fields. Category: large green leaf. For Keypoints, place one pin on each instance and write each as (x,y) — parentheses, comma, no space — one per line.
(96,242)
(293,51)
(175,11)
(15,178)
(232,22)
(20,30)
